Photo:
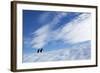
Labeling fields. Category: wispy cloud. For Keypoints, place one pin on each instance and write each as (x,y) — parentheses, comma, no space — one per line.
(44,16)
(57,16)
(77,30)
(43,35)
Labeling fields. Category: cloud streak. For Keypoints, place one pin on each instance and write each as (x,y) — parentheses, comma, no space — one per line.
(77,30)
(43,34)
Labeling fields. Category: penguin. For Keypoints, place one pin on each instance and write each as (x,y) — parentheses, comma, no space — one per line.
(40,50)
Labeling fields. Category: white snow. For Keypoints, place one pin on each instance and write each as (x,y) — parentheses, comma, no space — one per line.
(76,52)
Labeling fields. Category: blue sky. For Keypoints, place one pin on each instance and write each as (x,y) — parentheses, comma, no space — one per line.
(31,19)
(50,29)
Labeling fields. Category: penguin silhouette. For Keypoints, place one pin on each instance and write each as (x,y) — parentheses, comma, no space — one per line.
(40,50)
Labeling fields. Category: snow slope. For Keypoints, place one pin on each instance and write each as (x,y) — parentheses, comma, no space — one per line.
(76,52)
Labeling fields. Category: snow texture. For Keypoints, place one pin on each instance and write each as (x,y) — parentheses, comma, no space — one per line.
(78,51)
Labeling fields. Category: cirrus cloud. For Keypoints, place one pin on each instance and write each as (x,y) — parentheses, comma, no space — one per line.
(77,30)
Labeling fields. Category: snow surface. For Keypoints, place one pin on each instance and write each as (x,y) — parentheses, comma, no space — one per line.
(78,51)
